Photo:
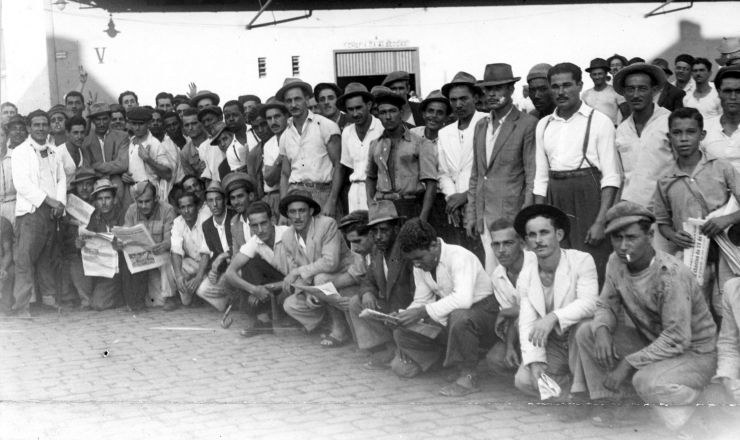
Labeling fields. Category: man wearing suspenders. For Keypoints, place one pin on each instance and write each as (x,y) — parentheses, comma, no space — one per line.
(577,168)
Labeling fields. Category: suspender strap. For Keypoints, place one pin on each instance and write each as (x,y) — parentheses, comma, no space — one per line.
(585,142)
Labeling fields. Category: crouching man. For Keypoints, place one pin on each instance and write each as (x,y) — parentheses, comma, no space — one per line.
(452,291)
(669,355)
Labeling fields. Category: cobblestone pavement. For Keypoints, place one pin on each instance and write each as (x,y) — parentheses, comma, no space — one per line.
(179,375)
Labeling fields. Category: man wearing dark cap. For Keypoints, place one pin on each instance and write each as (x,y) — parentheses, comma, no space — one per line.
(669,96)
(668,354)
(106,150)
(41,195)
(602,96)
(402,166)
(642,138)
(314,252)
(155,287)
(57,116)
(326,95)
(723,132)
(539,91)
(311,148)
(276,115)
(387,286)
(356,139)
(503,168)
(682,65)
(557,291)
(203,99)
(249,102)
(147,160)
(400,84)
(577,166)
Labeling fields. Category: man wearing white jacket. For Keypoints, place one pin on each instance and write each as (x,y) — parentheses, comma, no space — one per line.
(557,293)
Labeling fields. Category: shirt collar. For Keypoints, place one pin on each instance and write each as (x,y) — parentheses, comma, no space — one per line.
(404,133)
(705,159)
(584,110)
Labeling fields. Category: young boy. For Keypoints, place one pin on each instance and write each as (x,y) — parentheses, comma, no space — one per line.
(696,185)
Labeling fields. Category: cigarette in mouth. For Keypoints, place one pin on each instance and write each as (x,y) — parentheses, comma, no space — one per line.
(627,257)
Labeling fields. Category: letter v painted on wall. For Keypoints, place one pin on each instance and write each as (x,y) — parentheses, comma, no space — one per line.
(100,51)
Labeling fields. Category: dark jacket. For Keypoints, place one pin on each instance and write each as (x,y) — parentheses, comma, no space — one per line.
(395,292)
(211,235)
(671,97)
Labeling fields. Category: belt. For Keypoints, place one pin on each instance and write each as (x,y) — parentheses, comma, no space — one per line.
(573,173)
(7,199)
(357,181)
(312,184)
(396,196)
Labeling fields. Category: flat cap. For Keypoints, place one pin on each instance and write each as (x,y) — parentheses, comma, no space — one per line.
(396,76)
(237,180)
(624,214)
(139,114)
(354,217)
(538,71)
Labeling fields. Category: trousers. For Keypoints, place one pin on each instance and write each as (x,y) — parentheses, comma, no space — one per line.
(33,255)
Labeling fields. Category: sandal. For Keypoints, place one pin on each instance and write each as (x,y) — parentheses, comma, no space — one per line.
(331,342)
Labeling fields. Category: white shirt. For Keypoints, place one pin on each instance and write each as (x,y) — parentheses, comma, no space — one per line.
(36,177)
(139,170)
(719,144)
(709,106)
(270,154)
(689,88)
(455,153)
(174,162)
(461,282)
(560,147)
(221,230)
(70,167)
(506,293)
(645,158)
(254,246)
(492,134)
(213,158)
(606,101)
(187,242)
(355,151)
(236,154)
(306,151)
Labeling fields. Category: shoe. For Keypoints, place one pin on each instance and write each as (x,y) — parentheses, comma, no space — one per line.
(464,385)
(331,342)
(169,305)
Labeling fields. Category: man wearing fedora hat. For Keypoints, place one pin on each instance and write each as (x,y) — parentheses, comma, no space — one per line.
(362,130)
(106,292)
(387,286)
(539,91)
(106,150)
(723,132)
(557,291)
(669,352)
(311,149)
(203,99)
(670,96)
(436,111)
(602,96)
(577,166)
(402,166)
(41,195)
(314,252)
(642,138)
(503,168)
(399,83)
(326,95)
(455,152)
(240,192)
(276,115)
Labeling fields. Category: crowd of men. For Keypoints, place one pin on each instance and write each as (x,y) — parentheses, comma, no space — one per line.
(549,240)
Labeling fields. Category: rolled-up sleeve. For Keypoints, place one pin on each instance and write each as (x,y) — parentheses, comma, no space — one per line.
(428,160)
(607,151)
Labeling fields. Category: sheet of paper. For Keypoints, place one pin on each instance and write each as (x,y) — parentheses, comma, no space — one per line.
(137,243)
(99,259)
(327,289)
(79,209)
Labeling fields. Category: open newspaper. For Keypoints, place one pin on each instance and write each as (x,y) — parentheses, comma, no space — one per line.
(79,209)
(99,259)
(137,243)
(429,330)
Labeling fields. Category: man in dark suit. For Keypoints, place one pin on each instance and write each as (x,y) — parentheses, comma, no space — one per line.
(671,97)
(106,151)
(387,286)
(502,177)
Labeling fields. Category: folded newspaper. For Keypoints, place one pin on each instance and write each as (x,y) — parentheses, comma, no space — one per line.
(137,244)
(429,330)
(696,257)
(99,259)
(79,209)
(549,389)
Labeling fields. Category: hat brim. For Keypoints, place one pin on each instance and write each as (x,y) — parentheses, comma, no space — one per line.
(621,222)
(219,133)
(105,188)
(342,100)
(485,83)
(389,98)
(446,88)
(655,72)
(96,114)
(592,68)
(214,97)
(82,179)
(287,200)
(376,221)
(428,101)
(306,87)
(531,211)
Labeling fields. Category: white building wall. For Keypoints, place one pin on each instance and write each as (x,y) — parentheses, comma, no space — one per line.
(156,52)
